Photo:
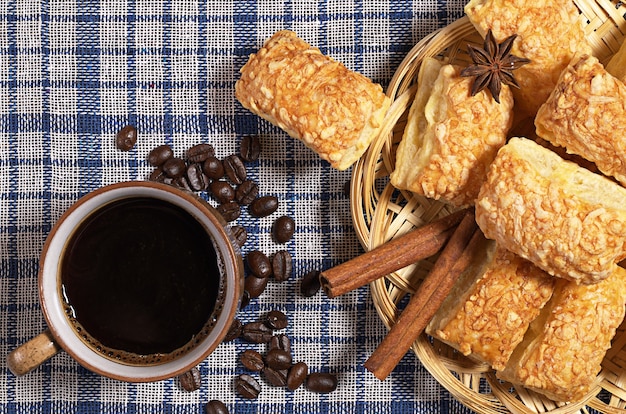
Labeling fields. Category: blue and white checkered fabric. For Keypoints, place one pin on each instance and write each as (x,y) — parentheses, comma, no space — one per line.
(73,72)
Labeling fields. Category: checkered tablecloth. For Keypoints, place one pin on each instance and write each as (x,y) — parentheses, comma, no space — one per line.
(73,72)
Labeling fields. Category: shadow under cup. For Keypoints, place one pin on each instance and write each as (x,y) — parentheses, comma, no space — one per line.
(154,319)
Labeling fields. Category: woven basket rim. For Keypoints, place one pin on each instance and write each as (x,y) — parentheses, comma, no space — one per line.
(380,213)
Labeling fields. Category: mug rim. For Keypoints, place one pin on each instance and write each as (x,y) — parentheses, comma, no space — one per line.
(49,280)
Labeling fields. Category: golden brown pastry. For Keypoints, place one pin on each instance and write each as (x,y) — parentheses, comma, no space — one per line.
(549,33)
(586,114)
(489,310)
(450,137)
(334,111)
(562,351)
(565,219)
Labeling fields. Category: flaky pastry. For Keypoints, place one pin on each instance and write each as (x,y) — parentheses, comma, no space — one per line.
(586,115)
(565,219)
(450,137)
(549,33)
(335,111)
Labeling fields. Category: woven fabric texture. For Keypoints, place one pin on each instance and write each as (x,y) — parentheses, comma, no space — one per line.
(73,72)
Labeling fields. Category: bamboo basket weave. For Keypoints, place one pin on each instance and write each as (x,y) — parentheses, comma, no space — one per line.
(381,213)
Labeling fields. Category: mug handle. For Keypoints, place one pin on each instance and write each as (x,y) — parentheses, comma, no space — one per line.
(33,353)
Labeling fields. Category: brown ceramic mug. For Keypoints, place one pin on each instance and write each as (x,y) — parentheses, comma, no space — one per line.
(89,342)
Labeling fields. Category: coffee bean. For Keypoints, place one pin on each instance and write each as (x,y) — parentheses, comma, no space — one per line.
(321,382)
(234,169)
(276,320)
(280,341)
(278,359)
(252,360)
(230,211)
(200,152)
(256,332)
(181,182)
(245,299)
(215,407)
(196,178)
(276,377)
(346,189)
(259,264)
(160,154)
(310,283)
(234,331)
(297,375)
(246,192)
(283,229)
(240,234)
(250,148)
(157,175)
(282,265)
(263,206)
(213,168)
(126,138)
(247,387)
(191,380)
(174,167)
(255,285)
(222,191)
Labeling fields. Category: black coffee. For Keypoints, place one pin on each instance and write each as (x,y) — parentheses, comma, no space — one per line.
(141,276)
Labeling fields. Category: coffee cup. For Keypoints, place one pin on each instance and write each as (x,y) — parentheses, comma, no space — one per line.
(138,281)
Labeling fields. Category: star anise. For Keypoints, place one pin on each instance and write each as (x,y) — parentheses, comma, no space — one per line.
(493,65)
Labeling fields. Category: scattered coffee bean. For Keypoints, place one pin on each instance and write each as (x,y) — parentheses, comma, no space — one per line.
(200,152)
(230,211)
(160,154)
(215,407)
(278,359)
(240,234)
(197,179)
(247,192)
(250,148)
(310,283)
(126,138)
(234,169)
(280,341)
(282,265)
(259,264)
(276,377)
(247,387)
(181,182)
(283,229)
(297,375)
(252,360)
(213,168)
(174,167)
(346,189)
(255,286)
(276,320)
(222,191)
(157,175)
(191,380)
(263,206)
(234,331)
(257,332)
(321,382)
(245,299)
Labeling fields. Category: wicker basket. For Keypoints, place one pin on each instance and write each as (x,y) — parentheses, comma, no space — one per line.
(381,212)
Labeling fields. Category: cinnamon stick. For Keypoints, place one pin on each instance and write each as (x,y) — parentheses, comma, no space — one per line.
(454,259)
(407,249)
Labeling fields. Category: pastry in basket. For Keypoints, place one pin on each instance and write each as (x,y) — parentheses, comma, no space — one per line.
(336,112)
(490,308)
(451,137)
(565,219)
(586,115)
(562,351)
(549,33)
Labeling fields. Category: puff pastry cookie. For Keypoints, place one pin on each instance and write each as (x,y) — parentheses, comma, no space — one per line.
(586,114)
(450,137)
(549,33)
(488,312)
(565,219)
(562,351)
(334,111)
